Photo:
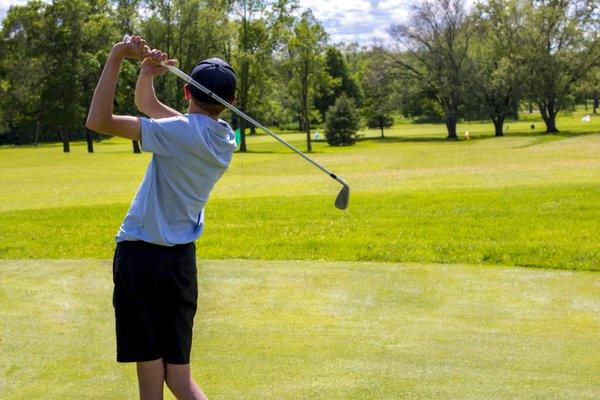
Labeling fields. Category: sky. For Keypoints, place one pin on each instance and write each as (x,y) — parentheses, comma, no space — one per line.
(362,21)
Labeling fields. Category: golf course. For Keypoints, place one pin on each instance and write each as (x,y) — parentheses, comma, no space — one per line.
(464,269)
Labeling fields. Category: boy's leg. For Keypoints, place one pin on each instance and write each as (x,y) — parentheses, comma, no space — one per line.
(182,385)
(151,379)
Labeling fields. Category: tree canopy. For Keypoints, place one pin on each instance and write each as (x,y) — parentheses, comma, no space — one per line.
(446,62)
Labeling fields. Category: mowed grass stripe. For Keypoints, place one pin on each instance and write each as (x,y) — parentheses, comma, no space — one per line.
(539,227)
(313,329)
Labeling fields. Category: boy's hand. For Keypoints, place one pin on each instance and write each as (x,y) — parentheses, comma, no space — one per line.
(151,64)
(136,48)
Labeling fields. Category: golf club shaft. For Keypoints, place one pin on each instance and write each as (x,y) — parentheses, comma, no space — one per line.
(189,80)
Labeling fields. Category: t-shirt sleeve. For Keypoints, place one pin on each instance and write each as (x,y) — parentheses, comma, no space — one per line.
(165,136)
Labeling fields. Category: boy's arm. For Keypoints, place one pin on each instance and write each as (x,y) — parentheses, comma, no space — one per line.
(145,96)
(100,116)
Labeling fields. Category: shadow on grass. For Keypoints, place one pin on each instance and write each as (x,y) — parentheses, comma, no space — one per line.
(399,139)
(544,137)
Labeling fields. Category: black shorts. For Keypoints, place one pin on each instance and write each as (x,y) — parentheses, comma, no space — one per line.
(155,296)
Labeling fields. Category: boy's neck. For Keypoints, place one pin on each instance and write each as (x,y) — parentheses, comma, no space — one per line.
(194,109)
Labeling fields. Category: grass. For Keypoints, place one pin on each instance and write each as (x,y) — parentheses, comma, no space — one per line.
(326,330)
(397,298)
(523,200)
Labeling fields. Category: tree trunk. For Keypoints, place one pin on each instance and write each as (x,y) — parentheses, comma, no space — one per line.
(90,142)
(585,104)
(243,147)
(308,141)
(549,116)
(65,142)
(498,125)
(381,123)
(136,147)
(451,125)
(551,124)
(252,130)
(530,106)
(36,135)
(306,118)
(596,101)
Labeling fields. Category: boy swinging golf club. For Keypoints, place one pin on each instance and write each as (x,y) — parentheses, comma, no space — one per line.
(154,267)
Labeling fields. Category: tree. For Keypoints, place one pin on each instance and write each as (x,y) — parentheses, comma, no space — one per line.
(129,21)
(589,88)
(378,88)
(595,88)
(63,44)
(435,43)
(252,54)
(342,122)
(497,57)
(52,54)
(563,46)
(306,65)
(21,62)
(341,81)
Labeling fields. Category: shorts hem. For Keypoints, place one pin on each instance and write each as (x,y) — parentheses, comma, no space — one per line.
(131,359)
(176,362)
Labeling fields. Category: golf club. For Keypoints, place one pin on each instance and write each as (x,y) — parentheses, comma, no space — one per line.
(343,197)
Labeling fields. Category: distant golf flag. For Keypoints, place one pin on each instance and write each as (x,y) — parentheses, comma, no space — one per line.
(586,118)
(317,135)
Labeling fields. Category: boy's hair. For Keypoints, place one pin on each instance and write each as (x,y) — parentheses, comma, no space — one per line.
(218,77)
(210,109)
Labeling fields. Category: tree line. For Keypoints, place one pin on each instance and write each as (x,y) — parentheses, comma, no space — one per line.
(445,62)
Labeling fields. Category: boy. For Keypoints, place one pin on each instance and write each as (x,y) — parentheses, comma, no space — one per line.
(154,268)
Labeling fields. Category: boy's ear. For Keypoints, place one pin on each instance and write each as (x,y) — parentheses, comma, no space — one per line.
(186,92)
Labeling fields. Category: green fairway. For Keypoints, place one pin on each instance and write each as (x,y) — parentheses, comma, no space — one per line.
(524,200)
(326,330)
(432,322)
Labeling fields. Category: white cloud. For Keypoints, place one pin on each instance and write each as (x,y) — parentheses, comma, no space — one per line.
(362,21)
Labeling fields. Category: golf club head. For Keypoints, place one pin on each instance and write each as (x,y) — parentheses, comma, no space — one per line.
(343,198)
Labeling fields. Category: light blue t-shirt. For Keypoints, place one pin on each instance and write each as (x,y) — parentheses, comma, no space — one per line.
(191,153)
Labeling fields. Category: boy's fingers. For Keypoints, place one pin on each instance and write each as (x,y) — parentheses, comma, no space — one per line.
(172,61)
(146,52)
(162,57)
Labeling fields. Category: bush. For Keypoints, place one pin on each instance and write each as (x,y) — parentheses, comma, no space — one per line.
(342,122)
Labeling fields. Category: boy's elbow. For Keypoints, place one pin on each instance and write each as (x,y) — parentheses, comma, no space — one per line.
(94,124)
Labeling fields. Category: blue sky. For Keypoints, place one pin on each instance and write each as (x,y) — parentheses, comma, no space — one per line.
(346,20)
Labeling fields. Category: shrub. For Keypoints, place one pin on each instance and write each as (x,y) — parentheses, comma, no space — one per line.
(342,122)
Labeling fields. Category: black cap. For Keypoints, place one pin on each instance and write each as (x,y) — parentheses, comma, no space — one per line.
(215,75)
